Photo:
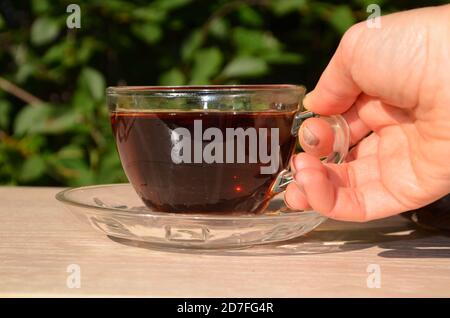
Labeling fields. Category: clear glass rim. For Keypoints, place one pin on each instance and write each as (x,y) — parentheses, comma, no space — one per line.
(63,196)
(205,89)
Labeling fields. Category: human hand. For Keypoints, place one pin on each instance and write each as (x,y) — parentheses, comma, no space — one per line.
(392,85)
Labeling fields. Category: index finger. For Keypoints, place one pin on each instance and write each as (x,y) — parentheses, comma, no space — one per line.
(336,90)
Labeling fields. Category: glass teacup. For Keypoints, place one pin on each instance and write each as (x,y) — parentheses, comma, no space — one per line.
(211,149)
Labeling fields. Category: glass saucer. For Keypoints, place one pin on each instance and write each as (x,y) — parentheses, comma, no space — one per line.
(117,211)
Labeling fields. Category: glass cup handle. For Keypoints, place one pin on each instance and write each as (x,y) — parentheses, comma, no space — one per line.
(340,146)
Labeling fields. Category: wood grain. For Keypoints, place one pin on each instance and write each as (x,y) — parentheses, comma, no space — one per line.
(39,239)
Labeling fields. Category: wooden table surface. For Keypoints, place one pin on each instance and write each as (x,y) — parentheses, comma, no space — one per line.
(40,241)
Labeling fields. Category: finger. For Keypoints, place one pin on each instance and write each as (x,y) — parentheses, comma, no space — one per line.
(295,198)
(355,173)
(319,190)
(350,174)
(304,160)
(328,193)
(316,137)
(336,90)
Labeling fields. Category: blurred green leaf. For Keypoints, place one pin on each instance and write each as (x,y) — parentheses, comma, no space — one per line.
(21,54)
(219,28)
(62,121)
(109,163)
(193,42)
(117,6)
(83,176)
(83,101)
(32,143)
(70,152)
(149,14)
(24,71)
(245,67)
(5,108)
(44,30)
(93,80)
(282,7)
(207,63)
(284,58)
(56,53)
(173,77)
(254,42)
(29,117)
(148,32)
(170,4)
(45,119)
(342,18)
(70,164)
(33,168)
(250,16)
(40,6)
(74,170)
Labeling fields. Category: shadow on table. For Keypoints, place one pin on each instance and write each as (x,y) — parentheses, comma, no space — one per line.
(430,245)
(404,240)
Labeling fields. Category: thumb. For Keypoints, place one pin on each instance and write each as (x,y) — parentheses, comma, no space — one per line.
(336,90)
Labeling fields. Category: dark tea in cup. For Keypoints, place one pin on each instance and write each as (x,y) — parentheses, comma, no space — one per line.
(145,146)
(209,149)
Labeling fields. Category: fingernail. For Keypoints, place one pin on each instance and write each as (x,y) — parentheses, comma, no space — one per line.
(309,138)
(306,100)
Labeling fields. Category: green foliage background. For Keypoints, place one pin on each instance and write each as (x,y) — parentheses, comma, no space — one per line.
(62,135)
